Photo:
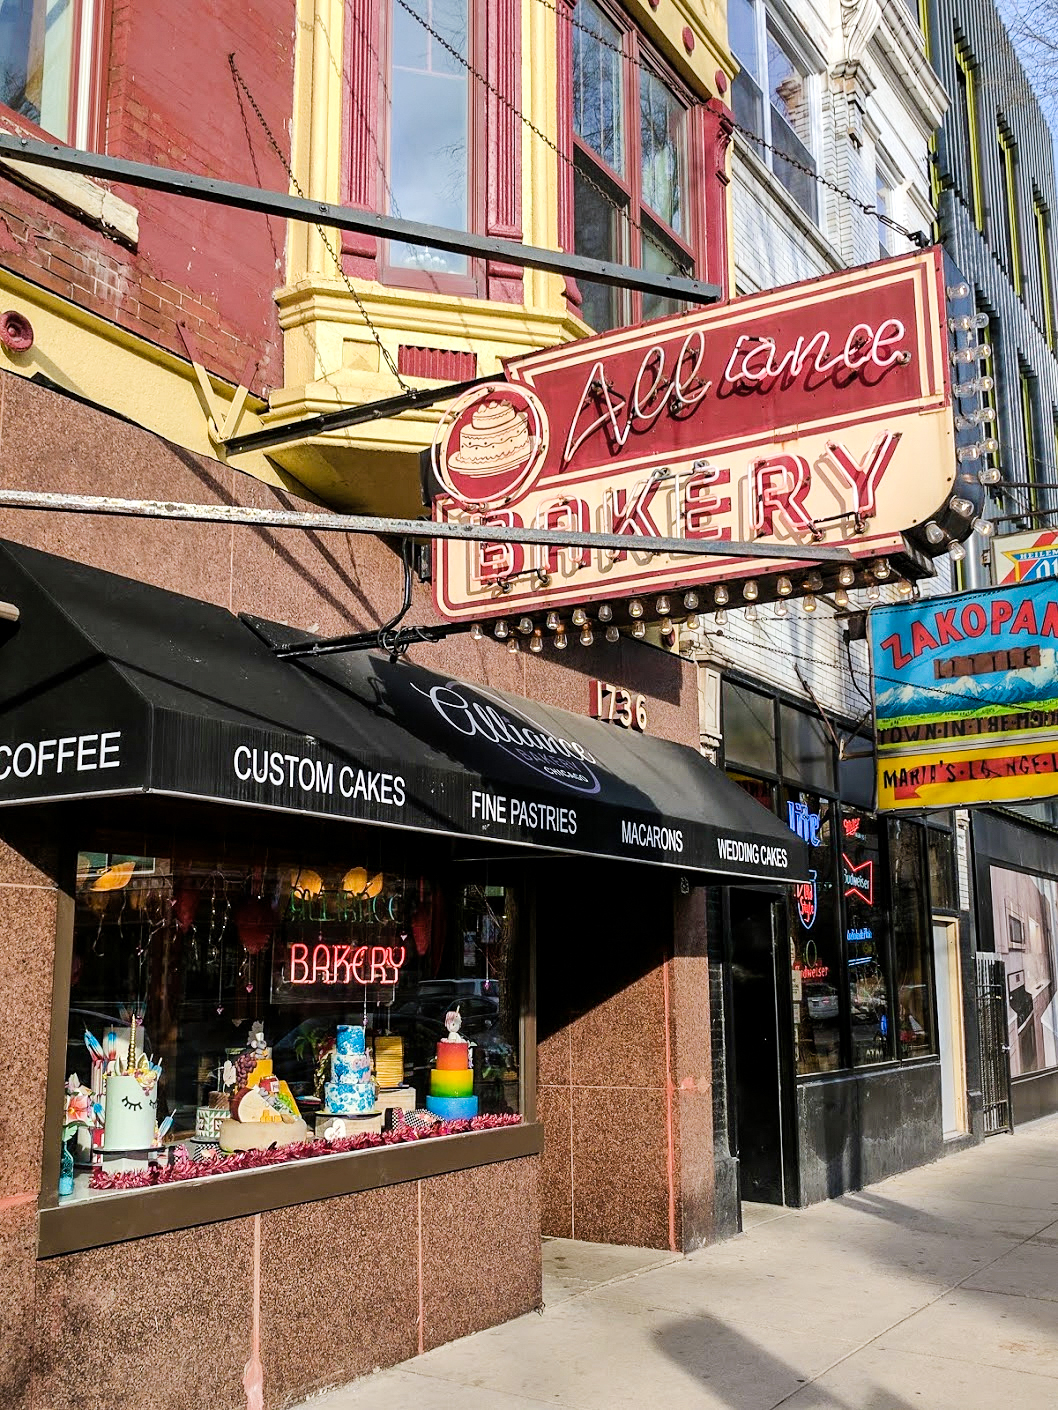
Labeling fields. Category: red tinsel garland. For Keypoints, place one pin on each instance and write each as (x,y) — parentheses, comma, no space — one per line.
(184,1167)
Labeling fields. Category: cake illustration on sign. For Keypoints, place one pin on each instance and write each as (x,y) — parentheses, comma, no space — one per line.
(496,438)
(489,445)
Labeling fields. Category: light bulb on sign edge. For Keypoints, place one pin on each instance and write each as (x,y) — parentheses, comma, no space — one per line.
(690,601)
(579,617)
(560,638)
(880,568)
(536,642)
(958,291)
(662,606)
(721,596)
(692,622)
(983,416)
(782,608)
(665,625)
(475,631)
(990,475)
(635,609)
(956,552)
(612,634)
(554,621)
(586,637)
(990,445)
(605,612)
(512,646)
(525,625)
(904,588)
(720,617)
(934,533)
(971,452)
(841,598)
(963,507)
(984,527)
(846,575)
(639,630)
(500,630)
(874,592)
(783,586)
(814,582)
(750,590)
(751,613)
(808,603)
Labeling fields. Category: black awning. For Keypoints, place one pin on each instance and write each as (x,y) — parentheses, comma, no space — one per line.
(111,686)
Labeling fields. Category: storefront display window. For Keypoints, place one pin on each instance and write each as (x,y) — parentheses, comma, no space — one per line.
(815,953)
(1025,923)
(911,940)
(863,885)
(224,1011)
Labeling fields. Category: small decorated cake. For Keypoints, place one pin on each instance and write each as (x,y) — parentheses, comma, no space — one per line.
(452,1079)
(131,1102)
(263,1111)
(496,438)
(389,1061)
(351,1090)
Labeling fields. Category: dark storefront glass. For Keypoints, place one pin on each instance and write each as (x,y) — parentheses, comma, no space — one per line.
(911,940)
(201,951)
(866,938)
(815,951)
(749,728)
(942,892)
(807,752)
(856,774)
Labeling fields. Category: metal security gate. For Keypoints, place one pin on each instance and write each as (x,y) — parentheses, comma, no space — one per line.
(995,1053)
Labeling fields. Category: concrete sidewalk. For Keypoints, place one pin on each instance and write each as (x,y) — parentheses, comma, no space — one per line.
(938,1288)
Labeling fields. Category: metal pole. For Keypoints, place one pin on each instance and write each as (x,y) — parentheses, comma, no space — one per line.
(412,528)
(386,227)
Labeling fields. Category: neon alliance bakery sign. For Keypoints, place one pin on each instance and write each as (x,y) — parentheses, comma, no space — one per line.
(819,413)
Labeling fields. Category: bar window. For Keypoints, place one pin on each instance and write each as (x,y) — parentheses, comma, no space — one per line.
(807,751)
(866,938)
(815,951)
(749,728)
(227,1014)
(916,1025)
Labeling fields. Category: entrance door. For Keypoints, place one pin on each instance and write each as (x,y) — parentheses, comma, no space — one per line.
(763,1124)
(950,1026)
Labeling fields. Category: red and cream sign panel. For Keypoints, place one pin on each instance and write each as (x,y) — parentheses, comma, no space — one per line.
(817,412)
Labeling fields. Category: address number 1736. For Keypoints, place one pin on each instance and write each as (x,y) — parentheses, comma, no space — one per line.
(620,706)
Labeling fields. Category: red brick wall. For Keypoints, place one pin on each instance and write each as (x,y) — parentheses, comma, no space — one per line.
(170,99)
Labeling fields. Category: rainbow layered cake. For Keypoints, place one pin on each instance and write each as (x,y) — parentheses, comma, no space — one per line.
(452,1082)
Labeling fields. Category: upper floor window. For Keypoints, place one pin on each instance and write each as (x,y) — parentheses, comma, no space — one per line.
(630,190)
(770,66)
(46,64)
(966,95)
(430,130)
(1008,219)
(884,186)
(434,135)
(1042,220)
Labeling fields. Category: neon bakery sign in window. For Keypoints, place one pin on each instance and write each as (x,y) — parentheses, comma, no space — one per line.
(344,964)
(815,413)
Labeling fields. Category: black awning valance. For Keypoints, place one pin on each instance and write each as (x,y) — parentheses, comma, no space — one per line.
(108,685)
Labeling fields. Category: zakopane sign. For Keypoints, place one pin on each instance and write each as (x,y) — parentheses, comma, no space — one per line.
(966,698)
(815,413)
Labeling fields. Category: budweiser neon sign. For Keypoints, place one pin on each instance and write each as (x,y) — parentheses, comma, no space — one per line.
(799,416)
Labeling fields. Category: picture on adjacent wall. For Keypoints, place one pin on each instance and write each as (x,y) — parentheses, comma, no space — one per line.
(1025,919)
